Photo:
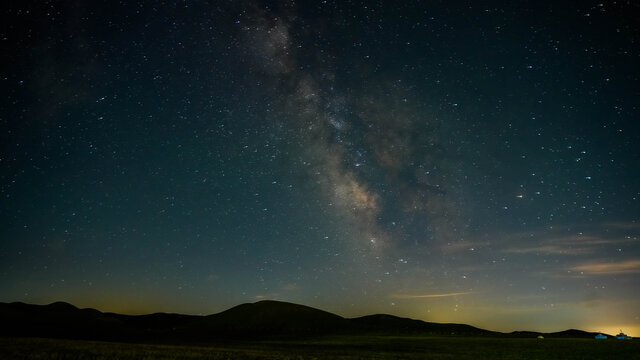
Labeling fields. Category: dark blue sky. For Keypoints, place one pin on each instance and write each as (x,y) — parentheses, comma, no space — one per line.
(447,161)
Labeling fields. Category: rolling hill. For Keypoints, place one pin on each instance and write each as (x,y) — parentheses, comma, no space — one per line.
(263,319)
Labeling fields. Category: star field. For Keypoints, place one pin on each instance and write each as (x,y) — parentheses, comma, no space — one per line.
(445,161)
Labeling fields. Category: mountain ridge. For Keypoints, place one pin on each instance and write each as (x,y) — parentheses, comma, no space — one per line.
(262,319)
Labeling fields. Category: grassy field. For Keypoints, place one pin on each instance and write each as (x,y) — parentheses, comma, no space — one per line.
(347,348)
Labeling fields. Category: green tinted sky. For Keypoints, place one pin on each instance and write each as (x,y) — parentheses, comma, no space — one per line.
(442,160)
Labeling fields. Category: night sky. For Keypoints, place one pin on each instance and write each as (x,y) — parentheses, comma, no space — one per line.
(450,161)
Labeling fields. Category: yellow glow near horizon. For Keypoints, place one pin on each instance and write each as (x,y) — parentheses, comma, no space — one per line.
(628,329)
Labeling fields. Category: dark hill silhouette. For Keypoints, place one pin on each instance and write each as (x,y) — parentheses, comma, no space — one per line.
(59,320)
(275,318)
(247,321)
(389,324)
(573,333)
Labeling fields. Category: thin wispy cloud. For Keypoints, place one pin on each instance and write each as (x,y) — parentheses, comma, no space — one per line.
(629,225)
(609,268)
(549,249)
(429,296)
(571,245)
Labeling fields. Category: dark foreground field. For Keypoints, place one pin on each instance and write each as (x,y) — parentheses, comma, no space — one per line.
(360,347)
